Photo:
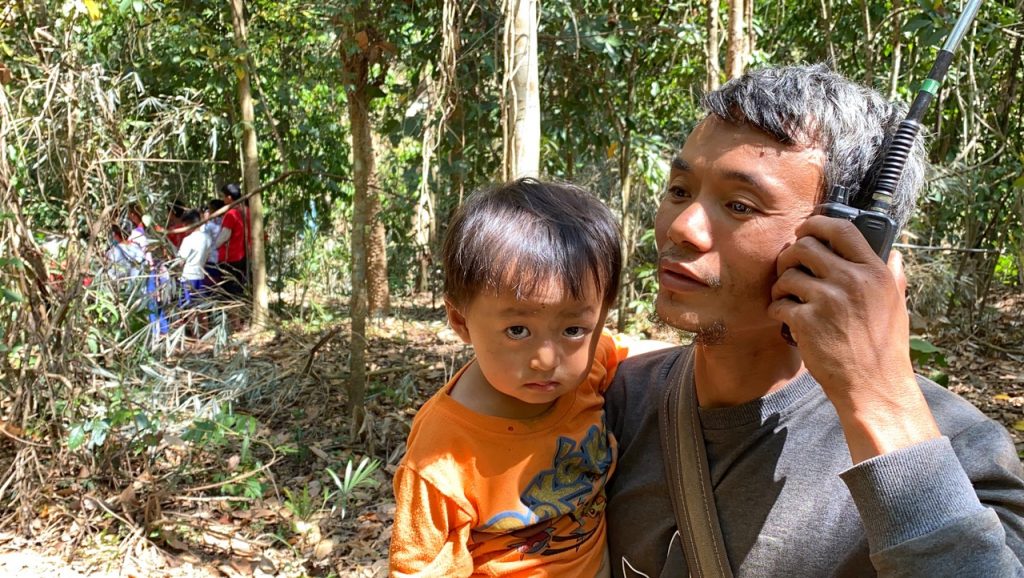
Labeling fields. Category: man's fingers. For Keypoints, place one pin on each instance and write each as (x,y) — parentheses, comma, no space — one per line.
(808,253)
(796,284)
(841,235)
(895,265)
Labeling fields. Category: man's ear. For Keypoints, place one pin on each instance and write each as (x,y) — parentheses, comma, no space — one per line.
(457,320)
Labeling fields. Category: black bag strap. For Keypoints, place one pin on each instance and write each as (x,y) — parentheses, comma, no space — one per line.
(686,462)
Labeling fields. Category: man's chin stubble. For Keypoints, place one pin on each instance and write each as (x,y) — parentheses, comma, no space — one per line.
(711,334)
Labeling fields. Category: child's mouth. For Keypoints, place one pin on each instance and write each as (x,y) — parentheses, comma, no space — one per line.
(545,386)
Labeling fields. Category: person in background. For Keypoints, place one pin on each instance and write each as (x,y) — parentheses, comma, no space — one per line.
(174,224)
(195,248)
(232,254)
(213,229)
(125,260)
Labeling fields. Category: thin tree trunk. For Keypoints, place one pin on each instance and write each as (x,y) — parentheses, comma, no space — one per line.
(868,44)
(379,294)
(751,36)
(251,173)
(897,47)
(522,92)
(626,193)
(826,25)
(736,53)
(713,80)
(362,176)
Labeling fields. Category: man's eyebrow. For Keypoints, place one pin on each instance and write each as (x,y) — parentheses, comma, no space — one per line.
(679,164)
(747,178)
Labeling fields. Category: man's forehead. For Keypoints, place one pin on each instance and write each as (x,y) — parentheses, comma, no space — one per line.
(715,136)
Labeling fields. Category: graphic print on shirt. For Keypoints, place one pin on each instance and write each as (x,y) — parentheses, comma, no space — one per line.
(572,487)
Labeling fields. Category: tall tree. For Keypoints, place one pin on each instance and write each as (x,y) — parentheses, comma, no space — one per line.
(364,65)
(521,93)
(711,47)
(250,167)
(736,55)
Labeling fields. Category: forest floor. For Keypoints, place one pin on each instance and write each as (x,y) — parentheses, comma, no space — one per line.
(260,500)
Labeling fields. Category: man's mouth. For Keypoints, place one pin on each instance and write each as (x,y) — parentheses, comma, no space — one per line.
(676,276)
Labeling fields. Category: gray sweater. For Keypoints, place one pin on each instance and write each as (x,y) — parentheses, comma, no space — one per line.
(791,505)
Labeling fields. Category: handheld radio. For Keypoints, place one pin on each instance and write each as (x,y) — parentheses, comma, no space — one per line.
(874,222)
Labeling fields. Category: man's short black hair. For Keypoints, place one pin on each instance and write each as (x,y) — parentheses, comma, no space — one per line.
(231,190)
(214,205)
(519,236)
(190,217)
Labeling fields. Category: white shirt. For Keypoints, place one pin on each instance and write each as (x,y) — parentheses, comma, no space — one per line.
(126,260)
(212,230)
(193,251)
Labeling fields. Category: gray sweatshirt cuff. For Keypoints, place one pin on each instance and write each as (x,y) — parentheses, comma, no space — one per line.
(910,492)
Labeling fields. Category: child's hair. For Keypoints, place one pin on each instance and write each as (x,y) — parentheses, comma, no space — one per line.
(519,236)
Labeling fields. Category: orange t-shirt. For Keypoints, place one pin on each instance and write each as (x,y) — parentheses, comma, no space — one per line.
(488,496)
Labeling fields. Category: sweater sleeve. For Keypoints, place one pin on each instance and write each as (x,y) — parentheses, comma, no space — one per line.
(431,533)
(944,507)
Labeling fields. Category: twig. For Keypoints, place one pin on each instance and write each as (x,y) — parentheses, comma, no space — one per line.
(234,479)
(949,249)
(1000,348)
(180,161)
(3,430)
(312,352)
(212,498)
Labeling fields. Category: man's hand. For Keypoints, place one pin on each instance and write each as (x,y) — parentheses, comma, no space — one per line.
(850,321)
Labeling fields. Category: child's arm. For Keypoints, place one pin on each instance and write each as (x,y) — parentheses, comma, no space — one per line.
(431,533)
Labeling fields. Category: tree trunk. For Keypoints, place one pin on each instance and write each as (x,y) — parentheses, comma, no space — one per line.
(626,193)
(714,69)
(521,99)
(751,35)
(378,293)
(826,25)
(897,48)
(363,175)
(869,45)
(251,173)
(736,54)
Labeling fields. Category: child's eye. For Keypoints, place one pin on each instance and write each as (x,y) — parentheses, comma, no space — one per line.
(517,332)
(576,332)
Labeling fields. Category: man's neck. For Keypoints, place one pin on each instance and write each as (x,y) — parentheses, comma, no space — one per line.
(742,368)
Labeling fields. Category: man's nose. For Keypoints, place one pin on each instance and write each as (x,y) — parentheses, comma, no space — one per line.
(692,227)
(545,358)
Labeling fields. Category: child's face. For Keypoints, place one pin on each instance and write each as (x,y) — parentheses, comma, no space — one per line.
(534,350)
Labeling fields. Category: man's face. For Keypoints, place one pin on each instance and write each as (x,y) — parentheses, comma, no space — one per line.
(733,201)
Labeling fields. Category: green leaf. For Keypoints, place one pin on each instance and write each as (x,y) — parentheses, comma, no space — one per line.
(76,437)
(921,346)
(1019,183)
(11,296)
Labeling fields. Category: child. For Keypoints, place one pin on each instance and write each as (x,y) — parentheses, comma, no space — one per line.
(193,251)
(506,465)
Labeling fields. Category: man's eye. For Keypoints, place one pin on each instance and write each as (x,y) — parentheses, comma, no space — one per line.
(517,332)
(740,208)
(676,193)
(575,332)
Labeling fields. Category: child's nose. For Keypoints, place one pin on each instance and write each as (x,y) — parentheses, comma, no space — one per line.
(545,358)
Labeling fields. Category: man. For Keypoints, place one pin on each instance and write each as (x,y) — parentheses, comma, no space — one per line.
(826,459)
(233,245)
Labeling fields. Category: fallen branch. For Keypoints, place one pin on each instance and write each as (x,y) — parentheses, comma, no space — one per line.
(312,352)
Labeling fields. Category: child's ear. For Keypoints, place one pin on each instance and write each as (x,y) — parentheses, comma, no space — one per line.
(457,320)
